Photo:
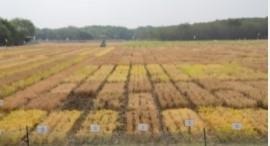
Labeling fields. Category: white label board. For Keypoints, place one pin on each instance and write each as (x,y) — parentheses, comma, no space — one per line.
(42,129)
(94,128)
(143,127)
(189,123)
(237,126)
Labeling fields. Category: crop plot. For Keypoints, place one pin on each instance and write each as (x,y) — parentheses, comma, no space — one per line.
(65,91)
(252,92)
(139,81)
(22,97)
(53,98)
(213,84)
(259,95)
(261,84)
(150,118)
(82,96)
(235,99)
(120,74)
(175,73)
(106,120)
(198,95)
(93,82)
(104,52)
(80,74)
(136,56)
(64,88)
(9,69)
(47,101)
(221,120)
(141,101)
(2,115)
(258,119)
(31,74)
(58,123)
(8,72)
(174,122)
(169,96)
(110,97)
(8,89)
(141,91)
(261,87)
(13,125)
(157,74)
(221,72)
(101,74)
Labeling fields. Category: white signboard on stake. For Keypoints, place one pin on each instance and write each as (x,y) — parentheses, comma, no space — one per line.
(94,128)
(189,123)
(143,127)
(42,129)
(1,102)
(237,126)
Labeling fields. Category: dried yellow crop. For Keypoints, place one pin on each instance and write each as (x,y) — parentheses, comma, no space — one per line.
(221,71)
(174,122)
(120,74)
(13,126)
(80,74)
(106,119)
(104,52)
(221,120)
(139,80)
(157,74)
(58,123)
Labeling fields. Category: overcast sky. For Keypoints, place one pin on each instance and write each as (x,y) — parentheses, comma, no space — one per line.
(129,13)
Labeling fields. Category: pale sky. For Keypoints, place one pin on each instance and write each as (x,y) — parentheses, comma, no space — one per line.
(129,13)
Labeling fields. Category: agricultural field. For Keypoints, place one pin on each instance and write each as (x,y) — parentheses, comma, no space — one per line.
(134,92)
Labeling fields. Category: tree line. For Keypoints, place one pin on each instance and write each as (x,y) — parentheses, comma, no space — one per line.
(85,33)
(16,31)
(19,31)
(243,28)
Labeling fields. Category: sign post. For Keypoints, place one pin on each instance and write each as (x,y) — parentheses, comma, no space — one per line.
(189,123)
(204,137)
(27,137)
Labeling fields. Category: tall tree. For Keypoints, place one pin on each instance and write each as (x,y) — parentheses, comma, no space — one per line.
(25,30)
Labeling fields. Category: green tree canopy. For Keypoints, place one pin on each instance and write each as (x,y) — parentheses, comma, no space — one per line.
(25,30)
(16,31)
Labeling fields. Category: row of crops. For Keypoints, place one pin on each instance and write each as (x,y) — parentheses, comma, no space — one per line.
(218,122)
(75,96)
(150,100)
